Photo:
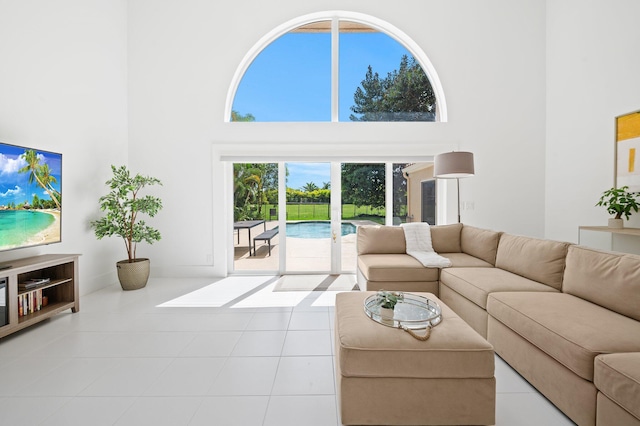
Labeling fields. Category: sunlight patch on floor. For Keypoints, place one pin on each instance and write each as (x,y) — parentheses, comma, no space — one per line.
(219,293)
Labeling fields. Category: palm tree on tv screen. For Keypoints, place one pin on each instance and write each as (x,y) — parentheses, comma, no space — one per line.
(41,173)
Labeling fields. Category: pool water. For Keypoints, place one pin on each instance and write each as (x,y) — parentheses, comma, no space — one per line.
(316,229)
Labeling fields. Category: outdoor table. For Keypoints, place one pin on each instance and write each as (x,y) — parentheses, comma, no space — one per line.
(248,224)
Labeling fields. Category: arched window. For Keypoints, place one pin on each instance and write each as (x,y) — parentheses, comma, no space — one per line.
(336,66)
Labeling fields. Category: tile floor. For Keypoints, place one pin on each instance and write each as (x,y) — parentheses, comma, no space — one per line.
(193,352)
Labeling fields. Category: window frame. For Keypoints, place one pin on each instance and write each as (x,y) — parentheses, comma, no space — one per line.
(335,17)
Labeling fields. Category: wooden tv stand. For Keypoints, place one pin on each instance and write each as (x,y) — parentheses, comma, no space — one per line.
(60,292)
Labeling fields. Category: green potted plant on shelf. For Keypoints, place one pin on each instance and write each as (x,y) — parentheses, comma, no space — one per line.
(619,202)
(123,205)
(388,301)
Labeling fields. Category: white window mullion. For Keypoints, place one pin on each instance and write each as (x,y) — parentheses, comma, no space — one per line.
(335,56)
(388,193)
(282,216)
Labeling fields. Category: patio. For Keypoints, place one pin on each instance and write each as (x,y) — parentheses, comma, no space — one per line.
(303,254)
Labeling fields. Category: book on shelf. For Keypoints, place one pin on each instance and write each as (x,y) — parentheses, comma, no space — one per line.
(28,303)
(33,283)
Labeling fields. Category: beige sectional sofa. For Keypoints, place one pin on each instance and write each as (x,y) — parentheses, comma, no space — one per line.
(566,317)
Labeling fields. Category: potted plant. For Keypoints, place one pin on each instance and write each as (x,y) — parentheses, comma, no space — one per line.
(388,301)
(618,202)
(123,205)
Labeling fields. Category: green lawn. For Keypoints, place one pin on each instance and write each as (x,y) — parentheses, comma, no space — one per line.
(319,211)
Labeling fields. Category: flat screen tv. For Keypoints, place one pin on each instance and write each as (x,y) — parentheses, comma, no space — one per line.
(30,197)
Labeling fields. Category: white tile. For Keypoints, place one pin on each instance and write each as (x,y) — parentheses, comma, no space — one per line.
(508,380)
(312,375)
(13,409)
(310,320)
(246,376)
(270,321)
(24,372)
(160,411)
(527,409)
(69,378)
(210,344)
(231,411)
(307,342)
(160,344)
(319,410)
(260,343)
(186,377)
(128,377)
(94,411)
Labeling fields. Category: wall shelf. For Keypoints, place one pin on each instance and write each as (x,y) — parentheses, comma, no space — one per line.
(629,247)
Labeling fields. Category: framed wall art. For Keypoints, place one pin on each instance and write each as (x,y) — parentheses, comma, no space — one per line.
(627,151)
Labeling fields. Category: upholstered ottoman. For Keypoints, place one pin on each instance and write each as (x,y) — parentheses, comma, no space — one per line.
(387,377)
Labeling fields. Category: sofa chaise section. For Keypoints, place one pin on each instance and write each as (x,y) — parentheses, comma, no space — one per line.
(617,377)
(555,339)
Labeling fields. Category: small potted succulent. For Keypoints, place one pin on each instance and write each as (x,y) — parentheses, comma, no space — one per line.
(388,301)
(619,202)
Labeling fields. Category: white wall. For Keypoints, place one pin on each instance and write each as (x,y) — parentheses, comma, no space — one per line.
(490,57)
(532,89)
(593,70)
(63,89)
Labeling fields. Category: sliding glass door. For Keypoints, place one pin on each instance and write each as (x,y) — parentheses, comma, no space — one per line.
(301,217)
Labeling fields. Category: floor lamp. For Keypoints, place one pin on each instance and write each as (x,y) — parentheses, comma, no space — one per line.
(454,165)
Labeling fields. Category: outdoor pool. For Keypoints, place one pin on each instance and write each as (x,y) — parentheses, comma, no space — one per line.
(314,229)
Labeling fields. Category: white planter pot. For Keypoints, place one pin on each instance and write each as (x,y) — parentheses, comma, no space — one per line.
(616,223)
(386,315)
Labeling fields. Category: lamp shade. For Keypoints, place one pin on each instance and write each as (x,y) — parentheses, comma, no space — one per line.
(452,165)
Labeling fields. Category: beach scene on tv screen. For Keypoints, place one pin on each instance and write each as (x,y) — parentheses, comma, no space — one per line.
(30,197)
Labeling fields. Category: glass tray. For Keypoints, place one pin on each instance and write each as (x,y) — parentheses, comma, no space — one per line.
(413,312)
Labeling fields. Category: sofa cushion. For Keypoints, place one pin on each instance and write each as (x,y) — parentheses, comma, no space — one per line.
(380,239)
(394,267)
(608,279)
(571,330)
(618,377)
(446,238)
(536,259)
(476,284)
(463,260)
(480,243)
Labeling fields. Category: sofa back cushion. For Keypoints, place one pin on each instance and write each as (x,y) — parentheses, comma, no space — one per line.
(378,239)
(480,243)
(611,280)
(539,260)
(446,238)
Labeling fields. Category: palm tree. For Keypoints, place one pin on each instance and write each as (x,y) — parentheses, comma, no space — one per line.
(48,179)
(309,187)
(35,170)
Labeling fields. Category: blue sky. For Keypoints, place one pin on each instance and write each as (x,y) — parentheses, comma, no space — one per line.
(303,173)
(14,186)
(290,80)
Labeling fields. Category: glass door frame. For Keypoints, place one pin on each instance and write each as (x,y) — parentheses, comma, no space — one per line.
(335,208)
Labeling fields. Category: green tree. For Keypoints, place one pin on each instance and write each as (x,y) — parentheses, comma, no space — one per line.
(40,173)
(36,202)
(404,94)
(236,116)
(309,187)
(254,185)
(363,184)
(399,190)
